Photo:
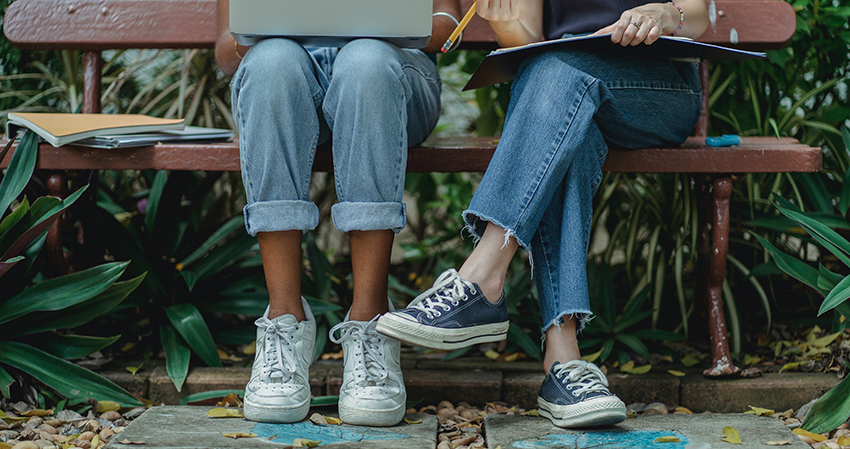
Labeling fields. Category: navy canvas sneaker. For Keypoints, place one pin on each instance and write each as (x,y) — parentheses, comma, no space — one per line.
(575,394)
(452,314)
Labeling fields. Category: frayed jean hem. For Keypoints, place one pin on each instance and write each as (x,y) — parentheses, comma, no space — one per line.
(281,215)
(583,317)
(364,216)
(477,222)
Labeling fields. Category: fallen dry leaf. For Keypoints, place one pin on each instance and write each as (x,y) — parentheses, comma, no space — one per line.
(683,409)
(668,439)
(637,370)
(332,420)
(758,411)
(676,373)
(777,443)
(317,418)
(817,438)
(125,441)
(731,435)
(303,442)
(221,412)
(11,419)
(108,406)
(631,414)
(628,365)
(38,412)
(689,361)
(533,412)
(231,400)
(236,435)
(491,354)
(413,421)
(133,369)
(592,357)
(790,366)
(843,441)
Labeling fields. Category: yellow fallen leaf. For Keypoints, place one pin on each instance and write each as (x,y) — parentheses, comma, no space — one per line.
(790,366)
(222,354)
(751,359)
(303,442)
(667,358)
(676,373)
(761,411)
(332,420)
(787,413)
(843,441)
(37,412)
(134,369)
(126,441)
(731,435)
(628,365)
(231,400)
(817,438)
(777,443)
(638,370)
(592,357)
(5,446)
(107,406)
(250,348)
(221,412)
(11,419)
(491,354)
(631,414)
(684,409)
(95,442)
(511,357)
(668,439)
(533,412)
(689,361)
(824,341)
(239,435)
(413,421)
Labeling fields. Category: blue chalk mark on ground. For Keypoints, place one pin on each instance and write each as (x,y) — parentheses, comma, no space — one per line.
(287,433)
(611,439)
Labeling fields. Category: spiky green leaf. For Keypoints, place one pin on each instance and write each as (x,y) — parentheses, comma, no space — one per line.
(177,355)
(190,324)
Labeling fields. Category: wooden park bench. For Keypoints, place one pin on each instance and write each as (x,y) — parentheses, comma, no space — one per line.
(96,25)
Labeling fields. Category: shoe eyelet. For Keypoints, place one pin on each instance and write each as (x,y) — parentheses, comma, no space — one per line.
(465,297)
(437,313)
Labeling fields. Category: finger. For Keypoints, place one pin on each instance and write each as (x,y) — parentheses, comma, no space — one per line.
(640,35)
(632,28)
(605,30)
(653,35)
(620,31)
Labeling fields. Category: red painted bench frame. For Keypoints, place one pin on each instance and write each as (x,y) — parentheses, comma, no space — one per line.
(96,25)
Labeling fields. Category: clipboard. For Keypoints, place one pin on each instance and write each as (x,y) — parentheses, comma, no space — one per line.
(501,65)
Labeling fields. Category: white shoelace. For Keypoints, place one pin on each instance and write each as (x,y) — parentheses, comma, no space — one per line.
(448,288)
(278,353)
(369,367)
(587,375)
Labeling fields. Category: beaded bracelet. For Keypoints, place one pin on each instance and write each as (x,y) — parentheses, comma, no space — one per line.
(681,18)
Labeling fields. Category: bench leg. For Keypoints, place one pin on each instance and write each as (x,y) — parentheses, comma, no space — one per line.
(715,272)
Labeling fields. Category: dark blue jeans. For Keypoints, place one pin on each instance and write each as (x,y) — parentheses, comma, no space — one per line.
(566,106)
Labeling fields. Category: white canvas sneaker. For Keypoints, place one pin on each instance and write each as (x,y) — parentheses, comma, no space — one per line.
(372,392)
(279,389)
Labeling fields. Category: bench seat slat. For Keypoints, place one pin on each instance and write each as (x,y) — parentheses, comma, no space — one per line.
(456,154)
(122,24)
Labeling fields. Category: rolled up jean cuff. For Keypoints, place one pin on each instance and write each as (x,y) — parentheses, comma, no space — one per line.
(356,216)
(281,215)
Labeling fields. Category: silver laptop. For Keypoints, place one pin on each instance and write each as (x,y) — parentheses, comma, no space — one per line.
(332,23)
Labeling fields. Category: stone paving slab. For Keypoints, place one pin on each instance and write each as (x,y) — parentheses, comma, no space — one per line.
(699,431)
(186,427)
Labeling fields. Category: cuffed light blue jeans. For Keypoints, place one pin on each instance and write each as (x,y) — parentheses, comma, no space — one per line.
(370,98)
(566,106)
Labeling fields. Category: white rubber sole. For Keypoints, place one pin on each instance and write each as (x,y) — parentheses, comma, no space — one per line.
(377,418)
(439,338)
(599,411)
(275,414)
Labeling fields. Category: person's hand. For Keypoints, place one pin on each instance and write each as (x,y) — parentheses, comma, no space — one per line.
(501,14)
(644,24)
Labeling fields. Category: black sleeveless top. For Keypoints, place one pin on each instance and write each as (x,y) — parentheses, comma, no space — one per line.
(582,16)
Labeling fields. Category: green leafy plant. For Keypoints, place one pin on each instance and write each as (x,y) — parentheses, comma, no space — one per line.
(35,314)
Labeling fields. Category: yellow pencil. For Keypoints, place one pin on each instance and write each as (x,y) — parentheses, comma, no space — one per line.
(453,37)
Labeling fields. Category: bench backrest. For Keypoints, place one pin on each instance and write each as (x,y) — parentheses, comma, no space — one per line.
(96,25)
